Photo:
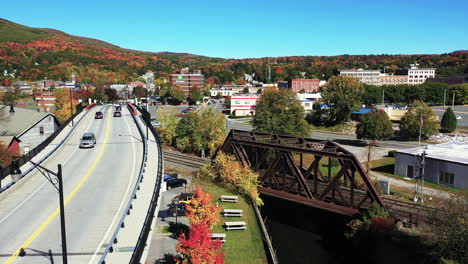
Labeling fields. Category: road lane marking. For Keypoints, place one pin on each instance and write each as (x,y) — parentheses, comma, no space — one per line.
(45,181)
(123,200)
(69,197)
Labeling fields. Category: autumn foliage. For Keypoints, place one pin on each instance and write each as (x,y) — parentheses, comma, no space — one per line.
(198,248)
(62,103)
(201,209)
(236,177)
(6,156)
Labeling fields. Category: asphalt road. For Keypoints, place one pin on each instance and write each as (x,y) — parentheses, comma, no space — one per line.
(460,110)
(97,184)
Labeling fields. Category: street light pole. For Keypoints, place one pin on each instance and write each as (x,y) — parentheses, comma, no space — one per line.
(445,91)
(71,106)
(62,203)
(62,214)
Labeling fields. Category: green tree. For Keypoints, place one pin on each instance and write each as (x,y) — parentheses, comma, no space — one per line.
(419,116)
(449,121)
(448,228)
(245,90)
(344,95)
(280,112)
(167,130)
(201,132)
(178,94)
(139,91)
(372,94)
(195,94)
(99,94)
(460,91)
(374,126)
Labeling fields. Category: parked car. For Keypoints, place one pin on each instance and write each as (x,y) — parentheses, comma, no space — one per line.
(190,109)
(173,183)
(88,140)
(178,209)
(459,117)
(185,111)
(180,115)
(98,115)
(223,106)
(118,108)
(117,114)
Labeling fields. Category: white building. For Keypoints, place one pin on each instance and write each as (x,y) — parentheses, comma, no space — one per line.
(364,76)
(419,75)
(244,104)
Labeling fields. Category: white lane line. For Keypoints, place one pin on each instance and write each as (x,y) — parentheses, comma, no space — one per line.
(118,213)
(42,185)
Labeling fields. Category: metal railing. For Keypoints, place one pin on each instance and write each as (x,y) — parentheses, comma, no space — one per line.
(31,154)
(141,243)
(143,237)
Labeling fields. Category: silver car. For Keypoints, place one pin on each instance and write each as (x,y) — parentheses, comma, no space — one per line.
(88,140)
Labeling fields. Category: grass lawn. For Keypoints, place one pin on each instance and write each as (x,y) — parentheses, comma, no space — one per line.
(386,167)
(241,246)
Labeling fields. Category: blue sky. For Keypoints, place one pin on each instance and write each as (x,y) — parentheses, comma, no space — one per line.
(246,29)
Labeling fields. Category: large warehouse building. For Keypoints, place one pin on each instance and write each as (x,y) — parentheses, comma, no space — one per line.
(445,164)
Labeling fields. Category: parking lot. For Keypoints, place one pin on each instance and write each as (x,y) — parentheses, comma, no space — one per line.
(162,242)
(460,110)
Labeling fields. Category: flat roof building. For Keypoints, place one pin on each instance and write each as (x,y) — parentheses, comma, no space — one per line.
(364,76)
(445,164)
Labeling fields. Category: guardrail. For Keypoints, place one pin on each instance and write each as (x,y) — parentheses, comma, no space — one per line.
(31,154)
(141,243)
(143,237)
(113,240)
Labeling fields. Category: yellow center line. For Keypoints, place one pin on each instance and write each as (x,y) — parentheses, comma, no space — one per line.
(69,197)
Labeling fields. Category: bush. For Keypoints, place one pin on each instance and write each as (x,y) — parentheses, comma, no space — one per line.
(448,123)
(392,153)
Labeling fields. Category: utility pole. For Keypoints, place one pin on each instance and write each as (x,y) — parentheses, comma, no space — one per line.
(383,97)
(419,192)
(445,91)
(420,127)
(71,106)
(453,101)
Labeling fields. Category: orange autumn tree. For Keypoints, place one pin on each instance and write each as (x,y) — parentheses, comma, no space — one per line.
(236,177)
(202,210)
(62,103)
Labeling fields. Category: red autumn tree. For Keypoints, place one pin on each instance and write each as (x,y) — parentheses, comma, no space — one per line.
(198,248)
(201,210)
(6,156)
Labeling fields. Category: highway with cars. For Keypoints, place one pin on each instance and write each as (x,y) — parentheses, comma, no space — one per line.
(97,185)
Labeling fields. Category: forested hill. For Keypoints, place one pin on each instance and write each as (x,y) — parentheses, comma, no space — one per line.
(38,53)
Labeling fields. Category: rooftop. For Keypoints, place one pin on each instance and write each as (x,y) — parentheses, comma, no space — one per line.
(453,151)
(18,122)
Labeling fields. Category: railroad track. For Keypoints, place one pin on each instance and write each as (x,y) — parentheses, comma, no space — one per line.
(185,160)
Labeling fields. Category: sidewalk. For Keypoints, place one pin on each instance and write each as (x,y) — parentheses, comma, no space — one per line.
(6,183)
(410,185)
(128,236)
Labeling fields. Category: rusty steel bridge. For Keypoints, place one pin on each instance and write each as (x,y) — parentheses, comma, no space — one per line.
(317,173)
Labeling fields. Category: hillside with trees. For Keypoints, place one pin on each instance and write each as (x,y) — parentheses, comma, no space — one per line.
(47,53)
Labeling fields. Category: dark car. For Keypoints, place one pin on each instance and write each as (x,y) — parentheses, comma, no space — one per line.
(178,209)
(118,108)
(173,183)
(98,115)
(117,114)
(185,111)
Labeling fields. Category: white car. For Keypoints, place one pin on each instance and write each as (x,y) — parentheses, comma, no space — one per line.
(459,117)
(156,123)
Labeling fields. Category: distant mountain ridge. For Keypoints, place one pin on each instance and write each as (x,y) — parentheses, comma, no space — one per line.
(38,53)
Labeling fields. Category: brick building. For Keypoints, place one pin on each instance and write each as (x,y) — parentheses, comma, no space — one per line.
(186,80)
(306,85)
